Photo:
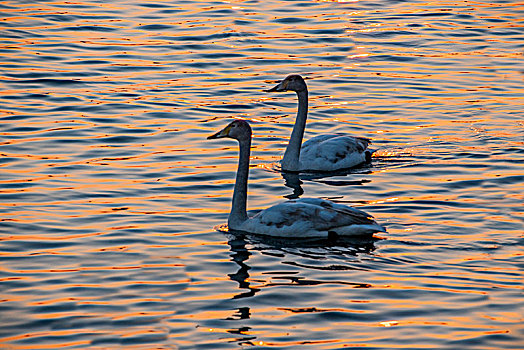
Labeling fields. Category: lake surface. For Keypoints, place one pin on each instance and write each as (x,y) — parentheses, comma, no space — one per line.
(110,192)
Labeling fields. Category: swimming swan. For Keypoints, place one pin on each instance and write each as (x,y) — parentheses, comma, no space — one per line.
(306,217)
(323,152)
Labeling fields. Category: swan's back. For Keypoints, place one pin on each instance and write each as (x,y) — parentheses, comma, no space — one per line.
(334,152)
(311,217)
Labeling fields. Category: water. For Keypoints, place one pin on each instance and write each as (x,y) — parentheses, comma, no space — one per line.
(110,191)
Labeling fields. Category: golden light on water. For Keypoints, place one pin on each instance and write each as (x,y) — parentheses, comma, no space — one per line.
(389,323)
(111,196)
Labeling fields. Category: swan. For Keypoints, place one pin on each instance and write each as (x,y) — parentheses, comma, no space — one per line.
(323,152)
(305,217)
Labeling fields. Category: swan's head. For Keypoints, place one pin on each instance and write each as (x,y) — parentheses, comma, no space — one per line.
(237,129)
(293,82)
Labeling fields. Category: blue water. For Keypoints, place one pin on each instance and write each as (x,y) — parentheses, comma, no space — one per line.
(110,192)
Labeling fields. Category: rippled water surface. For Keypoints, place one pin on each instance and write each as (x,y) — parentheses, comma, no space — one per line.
(110,191)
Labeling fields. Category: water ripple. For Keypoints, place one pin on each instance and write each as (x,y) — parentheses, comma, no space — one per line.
(109,191)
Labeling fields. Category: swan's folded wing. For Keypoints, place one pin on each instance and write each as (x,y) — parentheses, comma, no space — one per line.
(329,152)
(332,147)
(306,217)
(345,215)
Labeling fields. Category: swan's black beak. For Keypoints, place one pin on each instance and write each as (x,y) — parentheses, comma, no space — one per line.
(221,134)
(281,86)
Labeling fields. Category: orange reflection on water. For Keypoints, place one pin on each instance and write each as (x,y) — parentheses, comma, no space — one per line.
(90,268)
(448,95)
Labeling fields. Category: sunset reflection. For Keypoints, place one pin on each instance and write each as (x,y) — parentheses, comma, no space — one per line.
(114,206)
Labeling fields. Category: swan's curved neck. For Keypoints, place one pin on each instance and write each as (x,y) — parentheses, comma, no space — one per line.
(238,212)
(291,155)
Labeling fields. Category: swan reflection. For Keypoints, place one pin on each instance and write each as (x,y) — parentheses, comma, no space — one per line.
(294,252)
(295,181)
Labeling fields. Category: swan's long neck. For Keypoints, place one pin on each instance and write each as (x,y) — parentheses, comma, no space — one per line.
(238,212)
(291,155)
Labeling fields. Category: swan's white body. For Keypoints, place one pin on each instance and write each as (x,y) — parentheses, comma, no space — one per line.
(333,152)
(306,217)
(311,217)
(323,152)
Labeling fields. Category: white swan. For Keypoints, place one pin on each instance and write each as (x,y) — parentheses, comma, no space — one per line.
(306,217)
(323,152)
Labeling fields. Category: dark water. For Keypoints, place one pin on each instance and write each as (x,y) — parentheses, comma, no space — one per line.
(110,190)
